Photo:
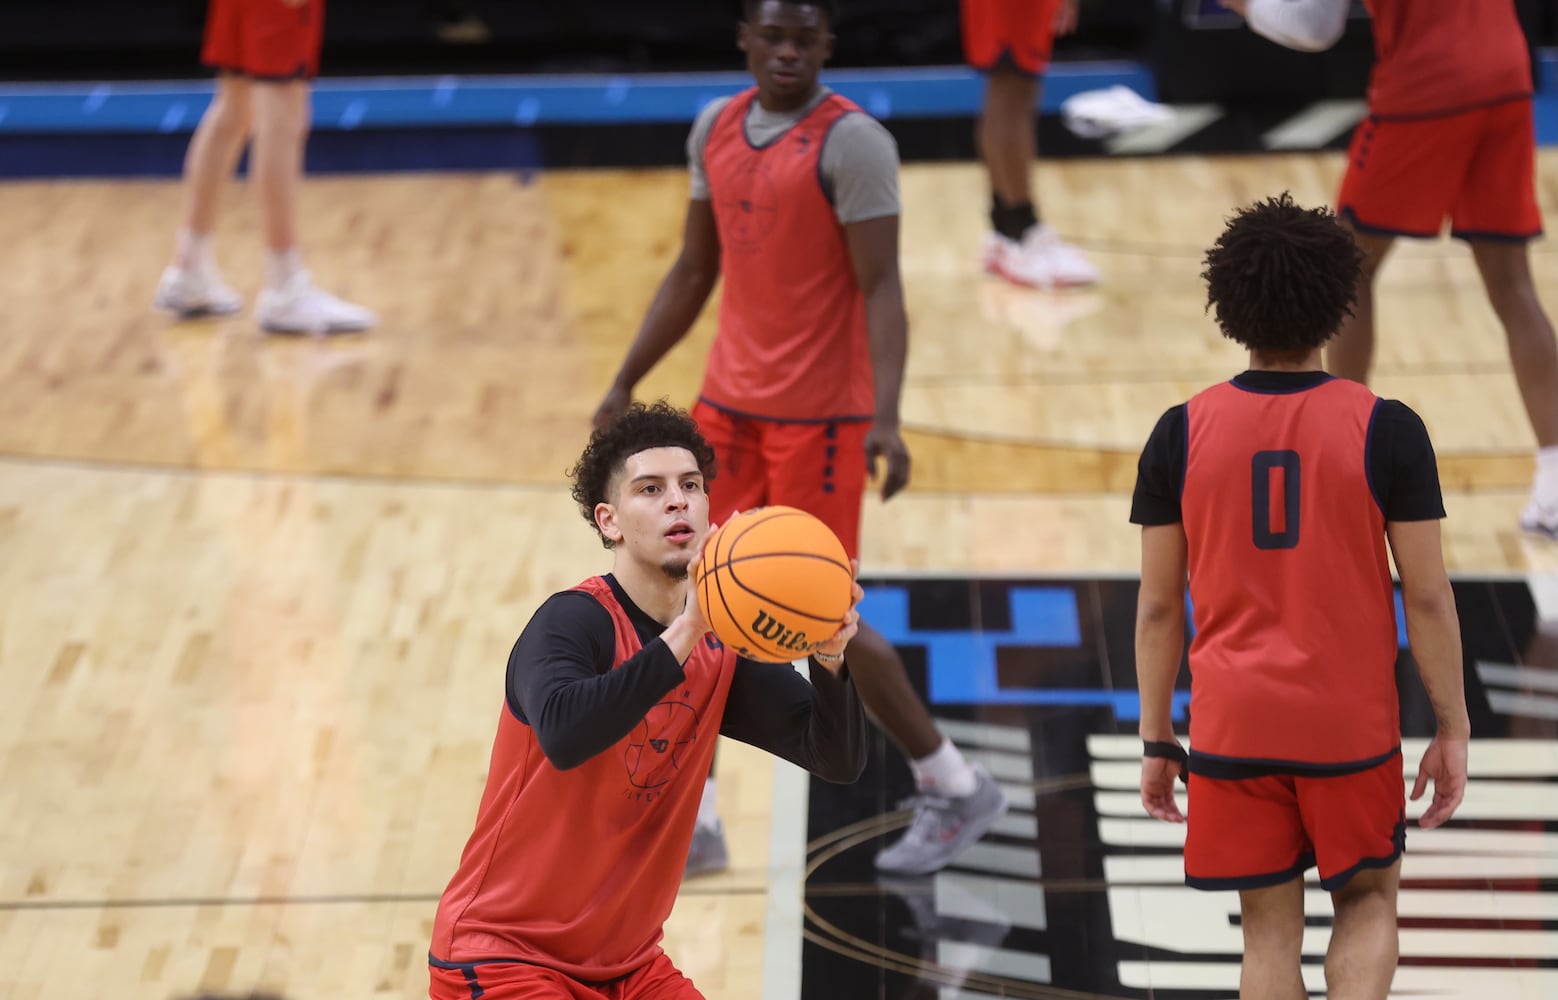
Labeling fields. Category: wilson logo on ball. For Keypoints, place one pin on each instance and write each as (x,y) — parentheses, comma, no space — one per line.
(779,635)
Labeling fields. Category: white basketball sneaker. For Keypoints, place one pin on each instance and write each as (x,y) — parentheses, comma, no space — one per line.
(1038,260)
(1540,518)
(189,291)
(300,306)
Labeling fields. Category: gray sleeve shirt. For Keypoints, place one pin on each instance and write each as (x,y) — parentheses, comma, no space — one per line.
(859,158)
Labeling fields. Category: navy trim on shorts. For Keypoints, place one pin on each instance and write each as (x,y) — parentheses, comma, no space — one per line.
(1219,768)
(1460,109)
(1341,879)
(468,969)
(786,420)
(1346,212)
(1007,63)
(301,73)
(1479,236)
(1305,862)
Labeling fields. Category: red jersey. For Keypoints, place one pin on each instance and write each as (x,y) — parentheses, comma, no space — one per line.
(792,339)
(1295,630)
(577,870)
(1440,56)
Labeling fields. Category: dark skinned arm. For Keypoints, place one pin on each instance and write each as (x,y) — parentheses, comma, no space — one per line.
(681,297)
(873,250)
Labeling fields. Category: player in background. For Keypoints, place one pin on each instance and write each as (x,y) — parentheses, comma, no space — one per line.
(264,52)
(794,205)
(1276,493)
(1450,135)
(1010,41)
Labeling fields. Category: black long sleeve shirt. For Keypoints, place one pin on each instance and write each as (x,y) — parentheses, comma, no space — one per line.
(561,683)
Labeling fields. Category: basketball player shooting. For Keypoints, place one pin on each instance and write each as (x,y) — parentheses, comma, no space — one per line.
(794,204)
(1450,134)
(615,692)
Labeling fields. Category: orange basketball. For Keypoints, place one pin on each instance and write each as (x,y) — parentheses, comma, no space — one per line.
(774,583)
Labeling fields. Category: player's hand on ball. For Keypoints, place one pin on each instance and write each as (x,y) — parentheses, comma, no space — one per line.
(831,653)
(693,612)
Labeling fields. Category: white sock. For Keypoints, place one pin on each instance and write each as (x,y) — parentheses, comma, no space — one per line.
(1547,475)
(708,806)
(280,266)
(945,771)
(192,251)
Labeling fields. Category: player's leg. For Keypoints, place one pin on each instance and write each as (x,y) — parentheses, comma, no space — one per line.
(1497,213)
(739,484)
(1361,961)
(1247,834)
(288,38)
(1357,823)
(820,469)
(1402,179)
(1273,922)
(192,285)
(282,120)
(291,302)
(1010,41)
(1350,354)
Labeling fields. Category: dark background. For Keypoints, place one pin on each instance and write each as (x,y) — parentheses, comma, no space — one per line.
(1198,51)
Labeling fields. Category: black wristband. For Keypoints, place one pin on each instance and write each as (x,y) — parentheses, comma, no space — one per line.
(1166,750)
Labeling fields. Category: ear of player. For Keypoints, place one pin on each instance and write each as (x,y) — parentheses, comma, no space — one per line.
(774,584)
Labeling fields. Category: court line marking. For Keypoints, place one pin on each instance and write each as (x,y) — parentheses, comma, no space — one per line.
(783,922)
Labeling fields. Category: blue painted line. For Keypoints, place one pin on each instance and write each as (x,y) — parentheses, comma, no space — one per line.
(443,91)
(172,117)
(351,115)
(459,102)
(95,99)
(542,100)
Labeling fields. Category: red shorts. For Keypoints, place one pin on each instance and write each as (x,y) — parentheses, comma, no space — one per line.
(819,468)
(1249,833)
(1476,168)
(658,980)
(1009,34)
(265,39)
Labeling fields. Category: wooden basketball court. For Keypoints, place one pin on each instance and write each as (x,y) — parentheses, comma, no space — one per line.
(258,592)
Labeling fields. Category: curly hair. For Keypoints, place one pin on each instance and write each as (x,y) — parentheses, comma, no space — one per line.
(639,428)
(1282,277)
